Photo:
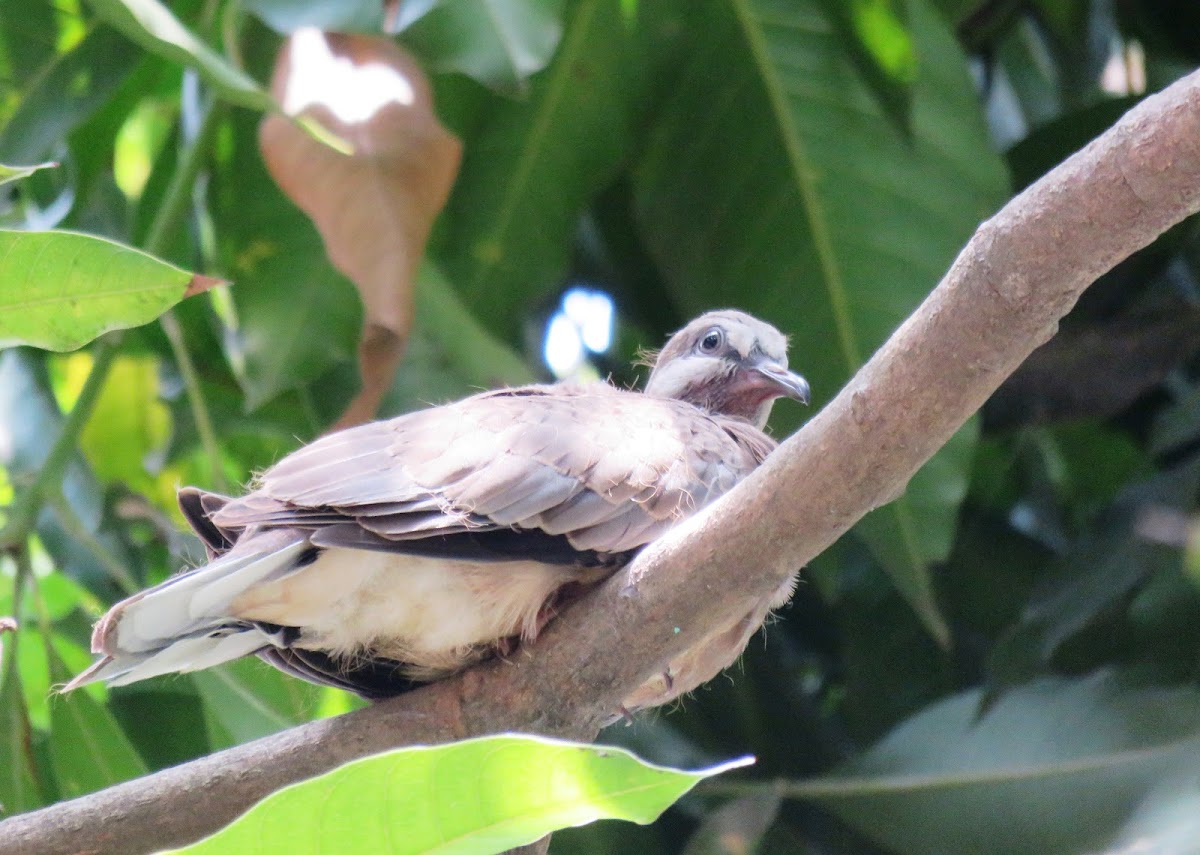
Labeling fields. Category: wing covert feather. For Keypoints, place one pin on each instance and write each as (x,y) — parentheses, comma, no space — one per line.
(609,469)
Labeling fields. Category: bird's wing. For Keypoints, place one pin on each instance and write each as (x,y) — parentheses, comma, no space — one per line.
(605,469)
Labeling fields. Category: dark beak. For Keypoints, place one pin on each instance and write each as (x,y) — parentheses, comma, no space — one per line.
(787,383)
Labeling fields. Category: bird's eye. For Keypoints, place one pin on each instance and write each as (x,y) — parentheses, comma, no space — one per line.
(712,341)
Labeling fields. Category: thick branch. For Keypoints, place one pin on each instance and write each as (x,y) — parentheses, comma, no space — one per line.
(1020,273)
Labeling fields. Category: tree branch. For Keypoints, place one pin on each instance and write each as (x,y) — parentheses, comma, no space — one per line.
(1003,297)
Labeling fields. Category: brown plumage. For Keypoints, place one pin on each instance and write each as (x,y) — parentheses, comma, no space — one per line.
(405,550)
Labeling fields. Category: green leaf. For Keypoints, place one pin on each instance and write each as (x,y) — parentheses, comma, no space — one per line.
(164,721)
(449,354)
(130,425)
(297,318)
(1178,424)
(88,749)
(879,26)
(1053,142)
(36,684)
(774,181)
(1103,566)
(478,796)
(61,290)
(30,419)
(153,26)
(249,699)
(16,173)
(343,16)
(500,43)
(62,595)
(18,786)
(532,167)
(1056,767)
(65,94)
(878,40)
(917,528)
(26,57)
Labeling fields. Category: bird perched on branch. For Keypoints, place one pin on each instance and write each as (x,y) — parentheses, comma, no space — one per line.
(402,551)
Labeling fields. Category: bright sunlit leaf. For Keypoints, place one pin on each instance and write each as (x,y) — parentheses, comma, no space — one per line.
(519,789)
(60,290)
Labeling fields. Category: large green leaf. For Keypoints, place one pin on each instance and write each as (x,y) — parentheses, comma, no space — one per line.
(875,33)
(65,93)
(1056,767)
(500,43)
(248,699)
(30,420)
(164,720)
(774,181)
(1102,567)
(449,354)
(532,167)
(130,426)
(478,796)
(153,26)
(60,290)
(25,57)
(18,787)
(297,317)
(88,749)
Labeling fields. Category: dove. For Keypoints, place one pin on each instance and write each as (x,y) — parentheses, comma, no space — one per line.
(403,551)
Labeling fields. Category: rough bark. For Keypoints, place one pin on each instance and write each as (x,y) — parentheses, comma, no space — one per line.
(1003,297)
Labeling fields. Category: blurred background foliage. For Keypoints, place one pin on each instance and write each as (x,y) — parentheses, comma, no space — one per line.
(1006,659)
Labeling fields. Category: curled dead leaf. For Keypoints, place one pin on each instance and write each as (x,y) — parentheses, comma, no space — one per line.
(375,206)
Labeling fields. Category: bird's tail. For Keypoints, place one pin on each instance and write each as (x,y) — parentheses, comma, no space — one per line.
(184,624)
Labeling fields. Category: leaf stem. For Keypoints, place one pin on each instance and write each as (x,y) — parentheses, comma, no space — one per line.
(178,195)
(24,572)
(175,202)
(191,382)
(81,534)
(25,509)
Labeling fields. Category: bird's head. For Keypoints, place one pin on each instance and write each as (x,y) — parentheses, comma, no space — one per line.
(727,363)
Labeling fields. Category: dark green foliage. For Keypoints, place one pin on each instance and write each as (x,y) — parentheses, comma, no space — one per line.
(1005,658)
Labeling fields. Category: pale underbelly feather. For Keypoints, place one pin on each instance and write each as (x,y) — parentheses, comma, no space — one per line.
(430,612)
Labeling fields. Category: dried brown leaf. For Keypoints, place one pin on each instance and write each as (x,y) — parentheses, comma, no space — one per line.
(200,283)
(374,207)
